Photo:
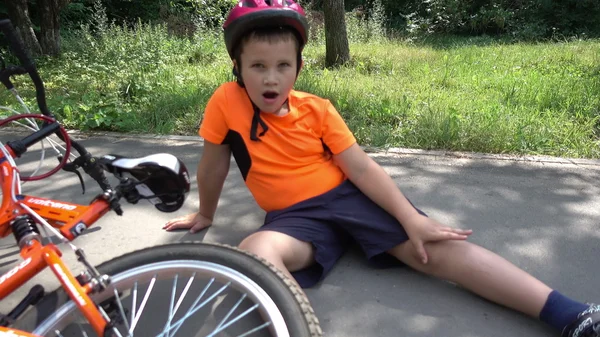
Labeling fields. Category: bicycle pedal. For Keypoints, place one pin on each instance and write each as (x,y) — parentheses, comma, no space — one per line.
(32,298)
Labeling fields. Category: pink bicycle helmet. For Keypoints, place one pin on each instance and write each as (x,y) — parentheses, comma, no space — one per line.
(250,14)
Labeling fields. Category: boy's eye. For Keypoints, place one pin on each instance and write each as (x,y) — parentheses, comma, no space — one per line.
(284,64)
(257,65)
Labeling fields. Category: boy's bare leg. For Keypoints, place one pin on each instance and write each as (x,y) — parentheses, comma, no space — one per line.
(283,251)
(480,271)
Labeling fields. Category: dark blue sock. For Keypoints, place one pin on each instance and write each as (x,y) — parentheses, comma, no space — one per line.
(560,311)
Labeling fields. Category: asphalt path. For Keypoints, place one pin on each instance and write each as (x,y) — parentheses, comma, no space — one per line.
(540,213)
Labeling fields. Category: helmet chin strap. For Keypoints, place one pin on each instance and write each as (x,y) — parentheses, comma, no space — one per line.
(257,120)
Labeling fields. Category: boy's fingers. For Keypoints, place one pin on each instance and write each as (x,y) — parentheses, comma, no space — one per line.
(453,236)
(178,225)
(176,220)
(458,231)
(421,251)
(170,224)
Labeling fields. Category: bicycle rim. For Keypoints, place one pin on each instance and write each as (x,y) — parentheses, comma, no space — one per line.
(177,298)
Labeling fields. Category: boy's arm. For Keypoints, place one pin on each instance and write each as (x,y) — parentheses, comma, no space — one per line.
(210,176)
(212,172)
(376,184)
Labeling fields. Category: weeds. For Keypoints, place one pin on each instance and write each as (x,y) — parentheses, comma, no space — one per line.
(452,93)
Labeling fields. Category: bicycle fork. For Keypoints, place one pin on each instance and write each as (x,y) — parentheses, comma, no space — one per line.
(37,257)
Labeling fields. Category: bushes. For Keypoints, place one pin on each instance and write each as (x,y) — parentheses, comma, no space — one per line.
(521,19)
(183,17)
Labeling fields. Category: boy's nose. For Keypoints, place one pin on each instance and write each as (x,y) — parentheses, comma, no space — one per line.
(270,79)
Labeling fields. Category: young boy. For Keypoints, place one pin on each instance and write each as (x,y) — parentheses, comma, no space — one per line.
(320,190)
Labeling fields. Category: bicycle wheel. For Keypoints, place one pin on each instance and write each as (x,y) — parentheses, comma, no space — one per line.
(185,289)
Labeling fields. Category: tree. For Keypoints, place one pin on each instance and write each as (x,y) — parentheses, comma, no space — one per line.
(49,39)
(50,25)
(337,51)
(18,12)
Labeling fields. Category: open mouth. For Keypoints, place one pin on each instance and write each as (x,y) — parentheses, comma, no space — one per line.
(270,94)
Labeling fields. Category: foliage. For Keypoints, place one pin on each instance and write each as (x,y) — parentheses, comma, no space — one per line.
(469,94)
(128,79)
(520,19)
(517,19)
(436,92)
(182,17)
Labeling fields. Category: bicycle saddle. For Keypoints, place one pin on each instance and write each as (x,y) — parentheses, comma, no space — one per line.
(163,178)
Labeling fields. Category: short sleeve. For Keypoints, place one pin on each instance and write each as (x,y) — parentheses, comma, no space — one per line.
(213,127)
(336,134)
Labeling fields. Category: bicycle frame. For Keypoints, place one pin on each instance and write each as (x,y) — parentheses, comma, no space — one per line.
(70,219)
(21,214)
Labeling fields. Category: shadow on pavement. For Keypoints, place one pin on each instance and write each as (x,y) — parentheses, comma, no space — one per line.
(542,217)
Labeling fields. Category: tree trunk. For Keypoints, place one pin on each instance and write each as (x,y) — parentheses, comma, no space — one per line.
(50,25)
(18,13)
(337,51)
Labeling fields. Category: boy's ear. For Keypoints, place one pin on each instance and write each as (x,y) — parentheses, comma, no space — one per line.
(236,70)
(237,74)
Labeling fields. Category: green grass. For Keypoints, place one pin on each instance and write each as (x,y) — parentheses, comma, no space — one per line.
(452,93)
(500,98)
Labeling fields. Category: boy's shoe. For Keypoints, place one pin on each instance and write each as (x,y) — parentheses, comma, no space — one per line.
(587,324)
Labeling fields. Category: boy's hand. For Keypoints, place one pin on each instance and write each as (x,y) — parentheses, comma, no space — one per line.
(195,222)
(421,229)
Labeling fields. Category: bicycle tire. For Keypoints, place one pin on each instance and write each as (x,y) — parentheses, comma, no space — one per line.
(292,303)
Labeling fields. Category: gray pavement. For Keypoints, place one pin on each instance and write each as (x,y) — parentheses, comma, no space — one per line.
(539,214)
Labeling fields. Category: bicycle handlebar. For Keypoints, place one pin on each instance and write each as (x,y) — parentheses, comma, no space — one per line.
(21,146)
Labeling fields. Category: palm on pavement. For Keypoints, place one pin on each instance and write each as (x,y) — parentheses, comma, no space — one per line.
(194,222)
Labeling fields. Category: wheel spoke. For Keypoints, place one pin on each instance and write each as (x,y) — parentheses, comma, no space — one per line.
(143,305)
(82,330)
(122,311)
(237,304)
(171,313)
(193,309)
(193,304)
(242,315)
(260,327)
(133,304)
(182,296)
(107,318)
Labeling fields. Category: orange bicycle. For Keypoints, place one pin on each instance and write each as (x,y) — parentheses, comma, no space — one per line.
(181,289)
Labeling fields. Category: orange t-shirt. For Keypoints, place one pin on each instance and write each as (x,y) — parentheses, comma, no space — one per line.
(290,163)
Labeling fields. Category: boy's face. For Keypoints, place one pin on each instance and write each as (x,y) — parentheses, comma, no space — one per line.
(269,73)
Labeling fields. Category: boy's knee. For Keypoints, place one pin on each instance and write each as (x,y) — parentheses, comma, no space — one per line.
(279,249)
(262,245)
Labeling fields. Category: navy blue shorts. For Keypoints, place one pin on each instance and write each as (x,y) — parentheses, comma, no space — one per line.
(332,222)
